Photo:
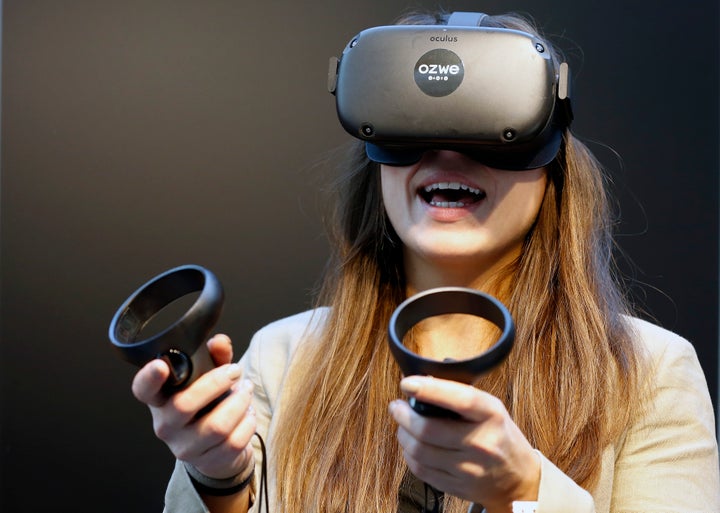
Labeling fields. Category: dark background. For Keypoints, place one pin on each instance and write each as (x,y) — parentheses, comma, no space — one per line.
(144,134)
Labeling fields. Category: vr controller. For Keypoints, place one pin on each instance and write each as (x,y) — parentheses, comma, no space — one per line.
(493,93)
(446,300)
(182,344)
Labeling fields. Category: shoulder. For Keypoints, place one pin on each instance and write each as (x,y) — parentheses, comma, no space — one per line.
(289,331)
(659,344)
(671,444)
(273,348)
(672,374)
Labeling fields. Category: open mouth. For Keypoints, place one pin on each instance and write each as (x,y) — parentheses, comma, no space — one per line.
(450,195)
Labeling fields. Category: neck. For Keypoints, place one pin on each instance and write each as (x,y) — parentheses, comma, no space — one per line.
(454,336)
(491,278)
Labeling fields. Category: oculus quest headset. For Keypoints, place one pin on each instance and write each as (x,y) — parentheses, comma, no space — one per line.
(492,93)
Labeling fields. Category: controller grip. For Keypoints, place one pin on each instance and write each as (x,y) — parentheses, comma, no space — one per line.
(431,410)
(185,370)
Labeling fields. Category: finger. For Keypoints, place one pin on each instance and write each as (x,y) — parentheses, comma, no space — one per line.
(433,431)
(472,404)
(437,478)
(148,381)
(446,468)
(428,454)
(234,455)
(429,464)
(183,406)
(220,348)
(222,424)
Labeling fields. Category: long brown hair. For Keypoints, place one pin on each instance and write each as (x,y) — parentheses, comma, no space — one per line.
(335,448)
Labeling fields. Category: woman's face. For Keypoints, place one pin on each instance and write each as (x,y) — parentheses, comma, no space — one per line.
(457,218)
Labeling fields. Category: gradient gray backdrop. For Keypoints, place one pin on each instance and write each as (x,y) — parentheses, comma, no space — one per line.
(138,135)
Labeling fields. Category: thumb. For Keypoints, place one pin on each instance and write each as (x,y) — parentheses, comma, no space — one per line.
(148,381)
(465,400)
(221,350)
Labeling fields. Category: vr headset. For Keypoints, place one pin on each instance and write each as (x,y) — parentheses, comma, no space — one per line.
(491,93)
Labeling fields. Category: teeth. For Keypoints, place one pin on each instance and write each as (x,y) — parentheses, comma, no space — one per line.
(447,204)
(452,186)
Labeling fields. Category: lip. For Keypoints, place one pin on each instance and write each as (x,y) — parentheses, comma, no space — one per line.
(448,214)
(448,177)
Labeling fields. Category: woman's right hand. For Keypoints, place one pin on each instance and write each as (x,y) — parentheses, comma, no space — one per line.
(218,443)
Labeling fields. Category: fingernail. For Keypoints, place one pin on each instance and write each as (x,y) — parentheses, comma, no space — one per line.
(247,385)
(160,370)
(411,385)
(393,406)
(158,366)
(234,371)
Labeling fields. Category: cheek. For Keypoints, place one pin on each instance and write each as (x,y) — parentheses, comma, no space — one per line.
(385,180)
(532,196)
(522,203)
(392,188)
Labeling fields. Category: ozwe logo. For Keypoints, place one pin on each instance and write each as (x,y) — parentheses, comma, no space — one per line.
(439,72)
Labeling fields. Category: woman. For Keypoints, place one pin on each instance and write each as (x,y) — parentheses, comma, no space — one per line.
(593,410)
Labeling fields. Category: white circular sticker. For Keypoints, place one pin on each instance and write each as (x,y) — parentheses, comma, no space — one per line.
(439,72)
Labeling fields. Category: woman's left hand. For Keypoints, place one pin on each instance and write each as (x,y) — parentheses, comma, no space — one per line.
(483,457)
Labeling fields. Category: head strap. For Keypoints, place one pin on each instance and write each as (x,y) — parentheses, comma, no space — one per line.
(466,19)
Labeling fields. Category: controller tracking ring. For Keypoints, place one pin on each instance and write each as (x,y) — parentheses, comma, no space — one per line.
(447,300)
(181,344)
